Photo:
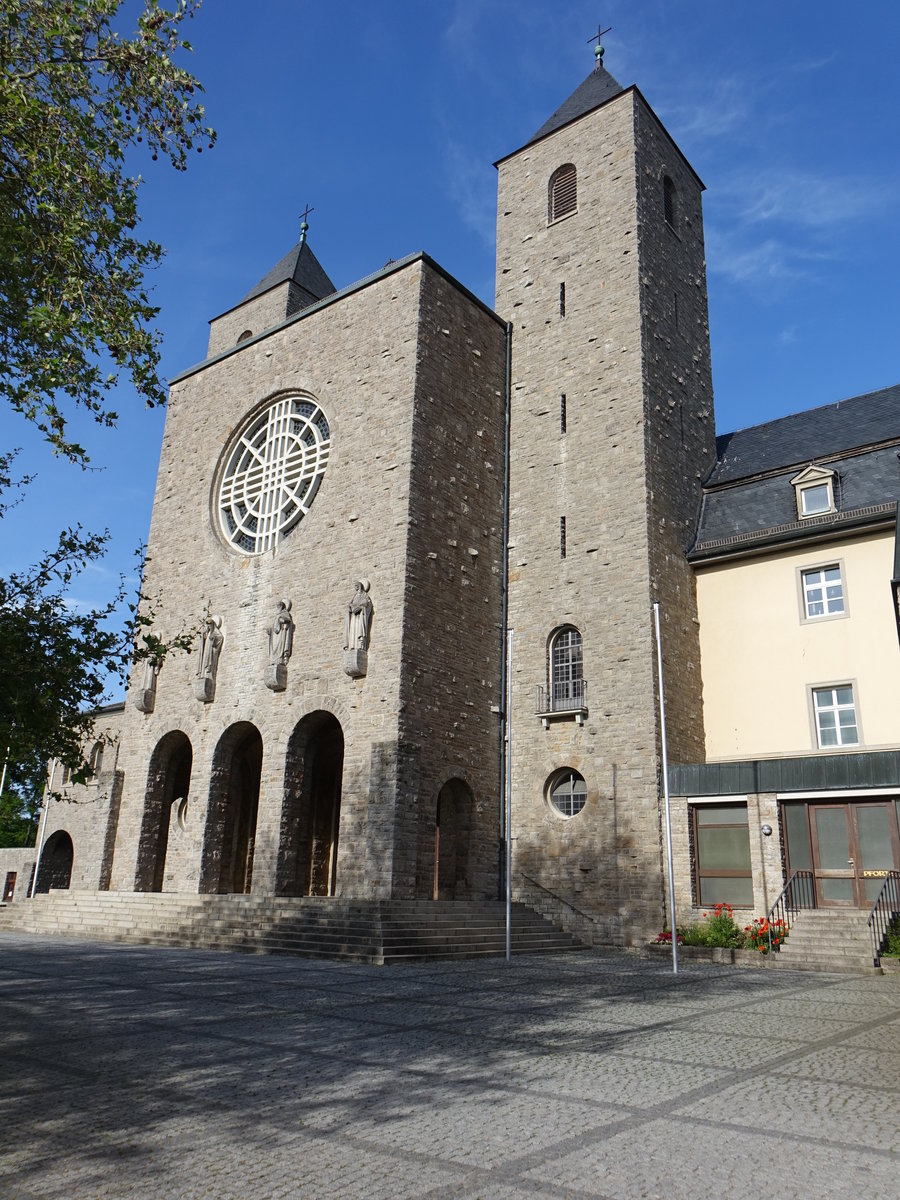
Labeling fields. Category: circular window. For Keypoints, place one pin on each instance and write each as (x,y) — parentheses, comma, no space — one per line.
(272,470)
(567,792)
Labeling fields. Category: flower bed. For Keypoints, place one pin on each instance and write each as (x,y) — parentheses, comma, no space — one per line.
(719,931)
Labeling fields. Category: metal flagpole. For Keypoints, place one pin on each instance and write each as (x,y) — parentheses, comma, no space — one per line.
(665,775)
(508,790)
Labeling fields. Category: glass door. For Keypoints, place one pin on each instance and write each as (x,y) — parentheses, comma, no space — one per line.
(877,847)
(834,861)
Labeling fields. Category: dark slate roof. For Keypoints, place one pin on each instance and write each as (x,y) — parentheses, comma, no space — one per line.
(808,436)
(594,91)
(749,502)
(299,266)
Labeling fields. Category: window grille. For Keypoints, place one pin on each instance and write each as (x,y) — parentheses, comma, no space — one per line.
(272,472)
(562,194)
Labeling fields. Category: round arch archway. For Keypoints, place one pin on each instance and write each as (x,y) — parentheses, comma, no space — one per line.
(311,809)
(168,780)
(57,857)
(454,810)
(230,832)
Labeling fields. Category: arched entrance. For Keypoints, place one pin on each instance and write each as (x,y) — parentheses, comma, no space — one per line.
(311,811)
(55,870)
(168,780)
(452,837)
(227,864)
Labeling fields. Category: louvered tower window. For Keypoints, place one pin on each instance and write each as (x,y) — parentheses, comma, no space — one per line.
(562,195)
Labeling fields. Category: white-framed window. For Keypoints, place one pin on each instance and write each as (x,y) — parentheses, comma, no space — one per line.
(566,792)
(562,192)
(566,670)
(834,711)
(814,489)
(823,592)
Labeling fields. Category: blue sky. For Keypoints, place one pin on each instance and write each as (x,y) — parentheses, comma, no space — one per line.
(386,118)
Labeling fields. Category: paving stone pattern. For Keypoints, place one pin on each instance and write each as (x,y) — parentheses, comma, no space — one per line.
(135,1073)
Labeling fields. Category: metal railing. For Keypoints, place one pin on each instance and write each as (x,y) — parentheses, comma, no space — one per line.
(799,893)
(884,911)
(562,697)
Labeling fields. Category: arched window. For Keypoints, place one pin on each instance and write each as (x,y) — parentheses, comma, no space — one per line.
(245,336)
(562,194)
(566,670)
(96,759)
(670,202)
(566,792)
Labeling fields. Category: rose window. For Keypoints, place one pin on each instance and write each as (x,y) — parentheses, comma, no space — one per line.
(272,471)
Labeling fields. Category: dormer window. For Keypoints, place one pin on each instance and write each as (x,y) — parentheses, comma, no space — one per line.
(814,489)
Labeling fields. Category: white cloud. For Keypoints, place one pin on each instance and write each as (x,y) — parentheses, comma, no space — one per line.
(803,198)
(470,187)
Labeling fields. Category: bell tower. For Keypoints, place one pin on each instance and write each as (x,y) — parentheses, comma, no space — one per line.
(601,271)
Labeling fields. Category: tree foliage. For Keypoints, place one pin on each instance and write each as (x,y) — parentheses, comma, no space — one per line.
(57,659)
(77,96)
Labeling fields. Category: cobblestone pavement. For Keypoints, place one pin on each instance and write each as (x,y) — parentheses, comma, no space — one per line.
(139,1073)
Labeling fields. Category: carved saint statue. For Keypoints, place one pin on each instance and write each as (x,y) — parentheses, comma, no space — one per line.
(211,639)
(280,635)
(145,695)
(357,629)
(280,632)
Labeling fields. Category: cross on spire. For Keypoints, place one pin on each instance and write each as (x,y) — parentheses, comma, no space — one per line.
(598,49)
(304,224)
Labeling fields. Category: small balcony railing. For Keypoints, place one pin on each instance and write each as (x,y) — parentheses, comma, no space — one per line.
(563,700)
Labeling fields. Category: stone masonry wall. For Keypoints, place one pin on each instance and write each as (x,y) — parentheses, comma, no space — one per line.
(358,358)
(679,418)
(607,860)
(258,315)
(452,632)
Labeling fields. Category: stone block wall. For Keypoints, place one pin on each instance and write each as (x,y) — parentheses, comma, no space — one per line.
(360,359)
(627,487)
(452,630)
(679,419)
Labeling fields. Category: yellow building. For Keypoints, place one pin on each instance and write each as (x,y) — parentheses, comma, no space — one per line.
(793,560)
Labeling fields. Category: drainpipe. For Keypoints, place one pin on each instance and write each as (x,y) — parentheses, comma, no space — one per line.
(504,617)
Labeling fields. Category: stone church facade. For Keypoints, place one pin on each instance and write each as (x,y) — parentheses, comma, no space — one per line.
(422,541)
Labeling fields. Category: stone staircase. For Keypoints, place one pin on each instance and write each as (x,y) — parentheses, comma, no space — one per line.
(828,940)
(378,931)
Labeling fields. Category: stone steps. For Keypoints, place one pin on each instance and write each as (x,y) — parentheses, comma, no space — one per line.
(821,940)
(312,927)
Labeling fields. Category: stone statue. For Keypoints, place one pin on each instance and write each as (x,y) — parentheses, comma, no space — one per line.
(211,639)
(357,630)
(145,695)
(280,635)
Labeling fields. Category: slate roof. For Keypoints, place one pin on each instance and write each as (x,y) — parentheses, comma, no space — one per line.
(599,87)
(299,266)
(806,436)
(749,502)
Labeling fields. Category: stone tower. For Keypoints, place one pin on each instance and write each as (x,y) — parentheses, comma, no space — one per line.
(600,269)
